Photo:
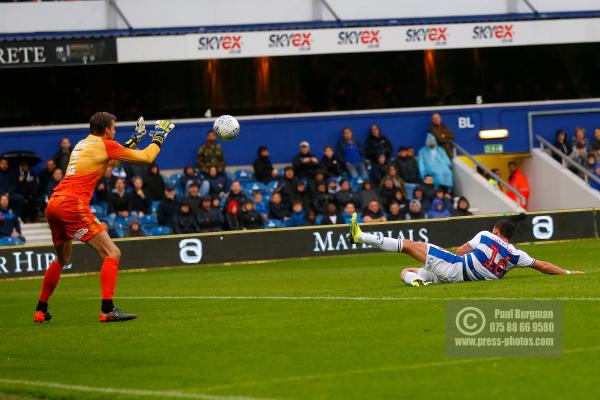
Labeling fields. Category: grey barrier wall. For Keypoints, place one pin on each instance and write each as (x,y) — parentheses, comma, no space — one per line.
(211,248)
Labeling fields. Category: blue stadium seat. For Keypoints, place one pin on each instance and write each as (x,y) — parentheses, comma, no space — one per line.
(273,223)
(318,219)
(271,186)
(154,207)
(280,171)
(120,232)
(11,241)
(244,175)
(174,179)
(98,210)
(266,199)
(165,179)
(159,230)
(148,221)
(356,183)
(253,186)
(410,187)
(230,176)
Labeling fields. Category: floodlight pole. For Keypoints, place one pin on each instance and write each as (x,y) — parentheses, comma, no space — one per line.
(330,9)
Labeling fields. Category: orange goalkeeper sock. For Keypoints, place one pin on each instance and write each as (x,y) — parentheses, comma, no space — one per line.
(108,279)
(51,279)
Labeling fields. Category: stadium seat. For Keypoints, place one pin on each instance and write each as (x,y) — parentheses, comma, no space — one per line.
(244,175)
(98,210)
(253,186)
(273,223)
(318,219)
(120,232)
(280,171)
(266,199)
(271,186)
(230,176)
(356,183)
(11,241)
(154,206)
(148,221)
(174,179)
(410,188)
(160,230)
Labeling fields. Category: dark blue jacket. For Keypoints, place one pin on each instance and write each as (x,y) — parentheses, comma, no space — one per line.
(8,222)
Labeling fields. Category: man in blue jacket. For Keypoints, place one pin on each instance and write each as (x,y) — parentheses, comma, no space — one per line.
(351,155)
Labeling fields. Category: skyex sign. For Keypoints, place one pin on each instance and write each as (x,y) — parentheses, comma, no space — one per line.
(211,248)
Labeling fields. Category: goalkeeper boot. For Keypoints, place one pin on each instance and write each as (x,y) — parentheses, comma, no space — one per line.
(355,229)
(42,316)
(419,282)
(116,315)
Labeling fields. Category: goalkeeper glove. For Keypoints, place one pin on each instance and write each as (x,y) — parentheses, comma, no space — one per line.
(161,131)
(138,134)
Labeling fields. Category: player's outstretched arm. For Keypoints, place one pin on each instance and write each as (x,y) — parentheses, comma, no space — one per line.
(464,249)
(549,268)
(115,151)
(137,135)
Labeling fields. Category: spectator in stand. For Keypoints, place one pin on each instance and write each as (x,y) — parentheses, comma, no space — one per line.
(428,187)
(407,165)
(112,233)
(378,169)
(210,219)
(399,198)
(193,198)
(216,202)
(260,206)
(45,176)
(387,192)
(462,208)
(321,198)
(263,168)
(217,184)
(350,209)
(140,198)
(103,188)
(332,216)
(167,209)
(57,176)
(438,210)
(519,182)
(367,194)
(210,154)
(186,220)
(287,185)
(189,177)
(562,144)
(119,201)
(392,173)
(396,212)
(580,138)
(9,221)
(377,144)
(330,163)
(154,183)
(251,219)
(135,230)
(305,163)
(590,163)
(332,186)
(311,218)
(62,156)
(235,194)
(350,154)
(277,209)
(345,195)
(415,211)
(594,184)
(298,215)
(374,213)
(445,197)
(434,161)
(318,179)
(302,194)
(443,135)
(595,142)
(8,185)
(118,172)
(424,201)
(233,220)
(133,170)
(579,155)
(28,187)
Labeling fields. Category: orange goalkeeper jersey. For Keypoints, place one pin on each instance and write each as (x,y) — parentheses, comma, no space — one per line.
(89,161)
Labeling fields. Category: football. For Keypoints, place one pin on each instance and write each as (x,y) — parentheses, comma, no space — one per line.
(226,127)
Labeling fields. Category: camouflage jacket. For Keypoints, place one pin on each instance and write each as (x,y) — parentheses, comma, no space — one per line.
(209,156)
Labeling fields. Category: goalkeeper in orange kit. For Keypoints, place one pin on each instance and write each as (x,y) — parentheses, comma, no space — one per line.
(69,214)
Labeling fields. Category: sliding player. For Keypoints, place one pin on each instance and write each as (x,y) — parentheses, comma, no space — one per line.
(488,256)
(69,214)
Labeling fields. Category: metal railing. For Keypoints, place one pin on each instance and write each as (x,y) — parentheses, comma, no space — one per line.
(490,173)
(567,161)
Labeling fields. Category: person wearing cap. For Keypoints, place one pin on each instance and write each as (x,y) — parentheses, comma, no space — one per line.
(349,152)
(263,167)
(415,211)
(305,163)
(167,208)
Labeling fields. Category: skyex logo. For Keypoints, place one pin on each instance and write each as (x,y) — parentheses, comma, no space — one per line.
(503,33)
(369,38)
(437,35)
(543,227)
(230,43)
(301,41)
(327,241)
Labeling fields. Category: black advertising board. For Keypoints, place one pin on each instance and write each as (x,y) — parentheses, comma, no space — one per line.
(57,52)
(211,248)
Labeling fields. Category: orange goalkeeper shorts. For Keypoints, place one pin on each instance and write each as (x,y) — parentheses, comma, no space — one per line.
(70,218)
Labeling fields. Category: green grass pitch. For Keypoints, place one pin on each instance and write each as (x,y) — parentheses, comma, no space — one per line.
(282,336)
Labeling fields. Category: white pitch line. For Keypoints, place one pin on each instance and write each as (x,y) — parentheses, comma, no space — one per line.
(435,364)
(350,298)
(130,392)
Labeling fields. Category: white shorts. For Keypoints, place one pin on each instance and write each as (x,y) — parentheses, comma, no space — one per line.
(441,266)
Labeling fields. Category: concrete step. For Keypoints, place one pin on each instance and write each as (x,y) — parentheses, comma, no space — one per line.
(36,233)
